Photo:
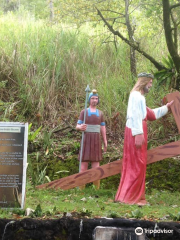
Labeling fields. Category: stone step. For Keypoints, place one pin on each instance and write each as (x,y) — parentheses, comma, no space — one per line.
(115,233)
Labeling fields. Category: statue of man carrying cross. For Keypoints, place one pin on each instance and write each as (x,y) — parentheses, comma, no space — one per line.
(132,184)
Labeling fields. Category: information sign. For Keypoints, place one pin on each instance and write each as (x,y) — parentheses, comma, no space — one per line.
(13,164)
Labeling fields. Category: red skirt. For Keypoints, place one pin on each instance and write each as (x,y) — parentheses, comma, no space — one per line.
(132,184)
(92,148)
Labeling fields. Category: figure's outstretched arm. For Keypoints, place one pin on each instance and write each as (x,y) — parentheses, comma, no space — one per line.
(153,114)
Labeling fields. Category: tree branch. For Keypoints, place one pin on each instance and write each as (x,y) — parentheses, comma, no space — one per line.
(134,45)
(174,6)
(113,12)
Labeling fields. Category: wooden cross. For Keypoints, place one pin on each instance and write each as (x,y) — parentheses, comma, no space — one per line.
(154,155)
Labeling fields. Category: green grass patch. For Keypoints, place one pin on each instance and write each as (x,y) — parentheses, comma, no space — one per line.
(92,203)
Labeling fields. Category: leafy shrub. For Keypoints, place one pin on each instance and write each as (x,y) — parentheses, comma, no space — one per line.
(164,175)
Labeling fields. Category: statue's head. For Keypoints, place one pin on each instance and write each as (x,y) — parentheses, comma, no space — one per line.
(144,82)
(93,94)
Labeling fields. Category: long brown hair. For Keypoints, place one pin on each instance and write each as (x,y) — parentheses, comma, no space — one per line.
(141,83)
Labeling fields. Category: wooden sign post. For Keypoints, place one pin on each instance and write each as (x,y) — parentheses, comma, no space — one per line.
(154,155)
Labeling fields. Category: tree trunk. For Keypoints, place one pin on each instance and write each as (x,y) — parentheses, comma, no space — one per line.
(171,45)
(51,10)
(131,38)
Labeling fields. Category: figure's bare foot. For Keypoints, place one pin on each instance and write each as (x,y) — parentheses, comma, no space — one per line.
(142,203)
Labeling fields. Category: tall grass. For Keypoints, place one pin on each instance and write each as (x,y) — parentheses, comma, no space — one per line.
(48,68)
(51,67)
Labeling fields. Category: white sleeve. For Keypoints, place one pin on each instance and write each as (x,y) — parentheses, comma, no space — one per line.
(136,113)
(160,112)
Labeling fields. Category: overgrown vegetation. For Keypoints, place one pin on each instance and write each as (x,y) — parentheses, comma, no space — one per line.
(47,68)
(44,72)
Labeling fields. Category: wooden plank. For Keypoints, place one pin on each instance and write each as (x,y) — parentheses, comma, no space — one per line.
(168,150)
(157,154)
(175,107)
(85,177)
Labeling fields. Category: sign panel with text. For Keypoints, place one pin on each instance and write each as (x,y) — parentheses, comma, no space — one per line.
(13,164)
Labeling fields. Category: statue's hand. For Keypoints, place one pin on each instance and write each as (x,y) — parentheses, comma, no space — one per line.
(82,127)
(139,140)
(170,104)
(105,147)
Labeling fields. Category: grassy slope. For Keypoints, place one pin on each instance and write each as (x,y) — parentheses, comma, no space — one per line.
(46,70)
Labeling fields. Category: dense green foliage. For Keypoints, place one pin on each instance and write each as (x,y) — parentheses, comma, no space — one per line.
(48,68)
(44,72)
(45,67)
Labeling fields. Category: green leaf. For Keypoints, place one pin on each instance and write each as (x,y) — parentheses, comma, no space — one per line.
(137,213)
(38,211)
(33,135)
